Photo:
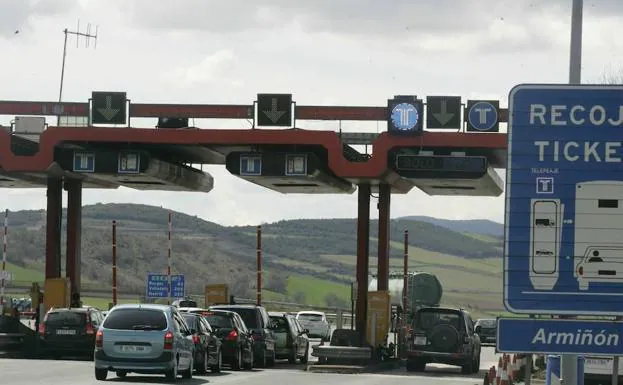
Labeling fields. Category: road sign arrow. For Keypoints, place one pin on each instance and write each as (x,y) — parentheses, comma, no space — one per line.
(274,114)
(108,112)
(443,116)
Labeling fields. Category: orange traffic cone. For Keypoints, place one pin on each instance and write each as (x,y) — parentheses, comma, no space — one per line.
(499,371)
(492,375)
(504,376)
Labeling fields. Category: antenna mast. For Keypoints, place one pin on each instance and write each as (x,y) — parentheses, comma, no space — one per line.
(88,36)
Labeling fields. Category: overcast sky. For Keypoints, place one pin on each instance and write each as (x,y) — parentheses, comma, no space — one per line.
(327,52)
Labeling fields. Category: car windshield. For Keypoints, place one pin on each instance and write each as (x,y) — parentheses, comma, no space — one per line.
(135,319)
(248,315)
(307,317)
(281,324)
(220,321)
(66,318)
(427,319)
(486,323)
(191,321)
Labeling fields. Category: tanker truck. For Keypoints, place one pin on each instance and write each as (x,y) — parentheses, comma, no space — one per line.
(424,289)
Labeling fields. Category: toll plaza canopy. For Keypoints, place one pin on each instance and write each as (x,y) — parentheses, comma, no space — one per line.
(293,160)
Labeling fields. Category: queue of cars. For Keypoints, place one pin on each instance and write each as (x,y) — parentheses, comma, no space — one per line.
(174,341)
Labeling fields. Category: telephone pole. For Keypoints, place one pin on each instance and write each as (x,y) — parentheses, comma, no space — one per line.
(88,36)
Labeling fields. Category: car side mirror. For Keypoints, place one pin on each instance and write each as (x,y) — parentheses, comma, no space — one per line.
(478,329)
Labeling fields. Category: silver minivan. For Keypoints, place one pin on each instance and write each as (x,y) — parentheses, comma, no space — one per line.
(145,339)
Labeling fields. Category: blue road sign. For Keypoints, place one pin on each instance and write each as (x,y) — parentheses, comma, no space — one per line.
(405,116)
(157,286)
(251,165)
(564,200)
(129,163)
(559,336)
(84,161)
(483,115)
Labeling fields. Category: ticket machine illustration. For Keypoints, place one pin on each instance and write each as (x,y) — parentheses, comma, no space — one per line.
(598,232)
(545,235)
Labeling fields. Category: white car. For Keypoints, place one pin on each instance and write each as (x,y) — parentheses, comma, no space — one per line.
(600,264)
(316,322)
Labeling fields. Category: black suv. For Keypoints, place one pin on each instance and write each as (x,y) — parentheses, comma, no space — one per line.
(446,336)
(256,319)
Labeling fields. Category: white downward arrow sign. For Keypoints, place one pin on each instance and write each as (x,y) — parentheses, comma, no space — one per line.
(108,112)
(443,116)
(274,114)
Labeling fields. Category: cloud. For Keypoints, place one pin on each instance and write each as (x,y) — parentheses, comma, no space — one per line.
(213,69)
(17,15)
(492,26)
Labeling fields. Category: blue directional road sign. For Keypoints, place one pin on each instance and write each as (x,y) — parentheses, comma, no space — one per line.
(559,336)
(84,161)
(563,248)
(405,115)
(483,115)
(157,286)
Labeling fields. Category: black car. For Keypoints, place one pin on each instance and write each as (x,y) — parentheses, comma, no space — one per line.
(207,345)
(236,339)
(257,320)
(445,336)
(70,331)
(487,330)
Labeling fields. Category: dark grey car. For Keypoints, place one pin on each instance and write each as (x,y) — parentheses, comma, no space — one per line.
(486,328)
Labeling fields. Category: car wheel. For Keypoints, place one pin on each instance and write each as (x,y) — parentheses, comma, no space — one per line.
(272,357)
(304,358)
(171,374)
(415,365)
(237,364)
(468,368)
(121,374)
(101,374)
(261,361)
(219,363)
(203,365)
(477,364)
(292,357)
(248,365)
(188,373)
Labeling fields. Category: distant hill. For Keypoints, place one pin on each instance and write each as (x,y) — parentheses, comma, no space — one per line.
(478,226)
(305,260)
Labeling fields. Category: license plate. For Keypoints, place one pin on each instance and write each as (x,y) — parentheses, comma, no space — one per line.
(65,332)
(132,349)
(419,340)
(597,362)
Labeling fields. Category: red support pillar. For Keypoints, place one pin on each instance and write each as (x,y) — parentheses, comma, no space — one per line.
(74,234)
(363,245)
(54,215)
(383,251)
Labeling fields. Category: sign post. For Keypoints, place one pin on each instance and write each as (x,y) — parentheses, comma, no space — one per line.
(564,194)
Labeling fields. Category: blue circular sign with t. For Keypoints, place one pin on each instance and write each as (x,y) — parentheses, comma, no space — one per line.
(482,116)
(405,116)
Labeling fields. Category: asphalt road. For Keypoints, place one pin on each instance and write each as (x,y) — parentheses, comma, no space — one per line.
(75,372)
